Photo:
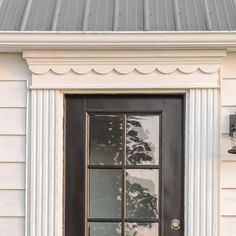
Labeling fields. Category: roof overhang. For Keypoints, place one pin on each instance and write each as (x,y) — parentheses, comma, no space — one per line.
(19,41)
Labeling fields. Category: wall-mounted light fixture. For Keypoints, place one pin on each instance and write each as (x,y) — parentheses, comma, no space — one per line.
(232,133)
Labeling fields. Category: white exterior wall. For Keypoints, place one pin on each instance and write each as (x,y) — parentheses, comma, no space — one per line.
(14,75)
(228,161)
(13,99)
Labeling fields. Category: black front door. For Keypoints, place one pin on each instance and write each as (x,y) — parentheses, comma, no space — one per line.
(124,172)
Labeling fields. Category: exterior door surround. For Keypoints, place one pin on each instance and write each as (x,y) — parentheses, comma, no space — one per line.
(134,141)
(195,73)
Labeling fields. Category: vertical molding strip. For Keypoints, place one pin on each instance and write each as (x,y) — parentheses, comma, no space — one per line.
(45,164)
(202,163)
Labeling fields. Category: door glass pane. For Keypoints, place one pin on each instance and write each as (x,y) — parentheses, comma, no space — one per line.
(142,193)
(105,193)
(141,229)
(142,141)
(104,229)
(106,134)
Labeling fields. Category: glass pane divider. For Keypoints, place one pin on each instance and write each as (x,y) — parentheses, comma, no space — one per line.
(123,166)
(111,220)
(105,220)
(141,220)
(86,172)
(142,167)
(123,178)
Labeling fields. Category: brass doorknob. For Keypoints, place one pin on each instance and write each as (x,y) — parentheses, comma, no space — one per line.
(175,224)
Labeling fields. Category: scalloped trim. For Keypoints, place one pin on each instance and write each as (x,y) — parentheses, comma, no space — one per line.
(123,69)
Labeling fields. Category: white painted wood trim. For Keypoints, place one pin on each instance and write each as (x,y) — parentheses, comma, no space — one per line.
(19,41)
(124,69)
(46,158)
(123,62)
(202,163)
(202,135)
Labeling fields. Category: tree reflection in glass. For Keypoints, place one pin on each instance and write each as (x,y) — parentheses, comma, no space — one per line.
(141,229)
(142,194)
(142,141)
(106,136)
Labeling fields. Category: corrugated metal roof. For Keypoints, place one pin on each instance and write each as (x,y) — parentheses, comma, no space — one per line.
(118,15)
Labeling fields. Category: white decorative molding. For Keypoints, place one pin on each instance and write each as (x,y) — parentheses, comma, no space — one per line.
(19,41)
(202,163)
(124,69)
(201,86)
(65,69)
(45,192)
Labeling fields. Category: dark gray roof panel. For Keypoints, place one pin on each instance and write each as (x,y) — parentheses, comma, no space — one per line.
(118,15)
(130,15)
(39,15)
(68,15)
(98,15)
(11,14)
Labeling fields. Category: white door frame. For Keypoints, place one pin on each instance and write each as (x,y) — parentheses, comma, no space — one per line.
(55,73)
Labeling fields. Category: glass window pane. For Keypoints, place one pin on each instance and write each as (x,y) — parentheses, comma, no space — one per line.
(105,193)
(104,229)
(106,134)
(141,229)
(142,141)
(142,193)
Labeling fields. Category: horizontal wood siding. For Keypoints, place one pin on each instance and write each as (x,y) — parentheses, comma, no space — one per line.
(12,226)
(14,95)
(13,101)
(12,176)
(228,226)
(9,154)
(12,203)
(228,180)
(12,121)
(228,161)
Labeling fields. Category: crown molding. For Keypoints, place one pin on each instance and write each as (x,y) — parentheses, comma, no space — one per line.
(123,62)
(13,41)
(93,69)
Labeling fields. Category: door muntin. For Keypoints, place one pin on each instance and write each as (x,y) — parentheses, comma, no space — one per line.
(123,174)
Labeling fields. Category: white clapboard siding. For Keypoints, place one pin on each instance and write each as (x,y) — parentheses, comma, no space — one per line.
(228,69)
(13,67)
(12,121)
(228,163)
(12,148)
(12,226)
(12,175)
(228,175)
(12,93)
(12,203)
(228,92)
(14,74)
(228,226)
(228,202)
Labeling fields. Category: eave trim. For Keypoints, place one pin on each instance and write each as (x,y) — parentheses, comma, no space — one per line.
(18,41)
